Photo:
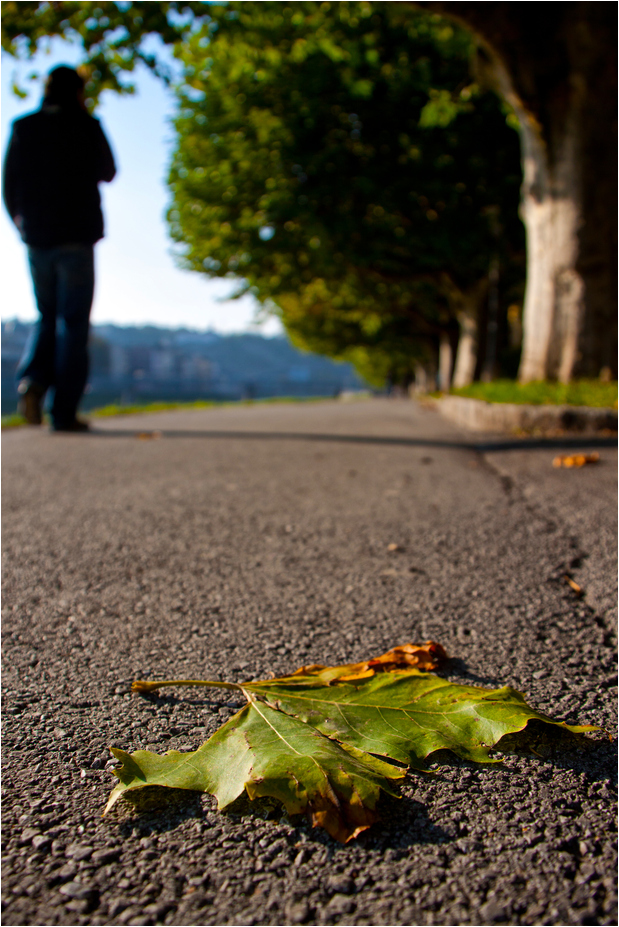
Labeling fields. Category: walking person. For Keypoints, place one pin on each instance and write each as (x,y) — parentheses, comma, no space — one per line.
(55,160)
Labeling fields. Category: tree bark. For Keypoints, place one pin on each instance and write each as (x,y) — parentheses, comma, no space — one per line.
(490,366)
(425,380)
(555,63)
(445,362)
(551,209)
(466,308)
(466,355)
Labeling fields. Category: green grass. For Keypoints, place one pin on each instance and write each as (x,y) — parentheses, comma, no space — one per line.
(15,420)
(114,409)
(138,409)
(578,393)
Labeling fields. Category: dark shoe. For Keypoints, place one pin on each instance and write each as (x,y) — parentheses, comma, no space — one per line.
(30,401)
(77,426)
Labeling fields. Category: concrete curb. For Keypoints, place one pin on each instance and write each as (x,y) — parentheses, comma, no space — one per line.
(479,415)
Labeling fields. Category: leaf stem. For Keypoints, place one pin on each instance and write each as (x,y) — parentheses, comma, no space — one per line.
(143,686)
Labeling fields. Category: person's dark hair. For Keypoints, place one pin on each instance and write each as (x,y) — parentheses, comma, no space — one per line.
(63,87)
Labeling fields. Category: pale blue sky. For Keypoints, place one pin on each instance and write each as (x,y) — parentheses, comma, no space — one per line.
(137,281)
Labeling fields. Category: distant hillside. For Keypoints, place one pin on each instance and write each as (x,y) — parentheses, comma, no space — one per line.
(130,364)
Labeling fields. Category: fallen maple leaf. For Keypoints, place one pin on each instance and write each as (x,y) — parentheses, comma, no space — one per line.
(316,740)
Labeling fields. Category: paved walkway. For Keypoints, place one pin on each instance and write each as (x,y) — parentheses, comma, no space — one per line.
(247,540)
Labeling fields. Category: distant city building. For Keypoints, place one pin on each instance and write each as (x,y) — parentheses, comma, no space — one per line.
(161,364)
(146,364)
(119,362)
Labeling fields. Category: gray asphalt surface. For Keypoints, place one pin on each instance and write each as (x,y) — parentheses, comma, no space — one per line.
(252,540)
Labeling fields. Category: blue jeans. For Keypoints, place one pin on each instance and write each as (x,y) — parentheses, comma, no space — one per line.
(56,356)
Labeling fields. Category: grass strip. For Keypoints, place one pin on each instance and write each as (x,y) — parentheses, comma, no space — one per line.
(592,393)
(16,421)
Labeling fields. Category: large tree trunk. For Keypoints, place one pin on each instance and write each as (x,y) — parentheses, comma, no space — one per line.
(551,209)
(445,362)
(466,355)
(466,306)
(490,365)
(556,64)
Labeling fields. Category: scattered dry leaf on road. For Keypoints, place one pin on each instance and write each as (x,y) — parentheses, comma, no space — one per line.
(148,435)
(394,548)
(575,460)
(328,744)
(574,585)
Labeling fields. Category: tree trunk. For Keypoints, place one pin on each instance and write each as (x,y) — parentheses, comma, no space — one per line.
(490,367)
(466,355)
(445,361)
(425,380)
(466,308)
(555,63)
(551,209)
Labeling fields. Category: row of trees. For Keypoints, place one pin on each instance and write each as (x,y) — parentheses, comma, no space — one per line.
(350,163)
(342,158)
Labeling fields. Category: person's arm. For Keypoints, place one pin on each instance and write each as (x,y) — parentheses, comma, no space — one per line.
(10,178)
(106,166)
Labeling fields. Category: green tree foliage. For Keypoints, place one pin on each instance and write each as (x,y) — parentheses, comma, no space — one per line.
(340,159)
(351,320)
(115,36)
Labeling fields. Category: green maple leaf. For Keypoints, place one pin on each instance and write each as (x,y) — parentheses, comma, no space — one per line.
(267,753)
(315,740)
(404,716)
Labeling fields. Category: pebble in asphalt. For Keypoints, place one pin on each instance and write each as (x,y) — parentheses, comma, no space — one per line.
(253,540)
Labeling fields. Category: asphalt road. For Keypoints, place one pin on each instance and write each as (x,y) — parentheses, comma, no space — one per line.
(250,540)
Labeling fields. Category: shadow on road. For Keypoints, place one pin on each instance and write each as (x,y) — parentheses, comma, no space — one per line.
(404,822)
(458,667)
(498,444)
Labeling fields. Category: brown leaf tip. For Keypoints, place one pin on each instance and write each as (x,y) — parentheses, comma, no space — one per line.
(426,656)
(343,820)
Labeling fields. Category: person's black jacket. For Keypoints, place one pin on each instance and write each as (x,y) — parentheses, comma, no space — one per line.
(55,159)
